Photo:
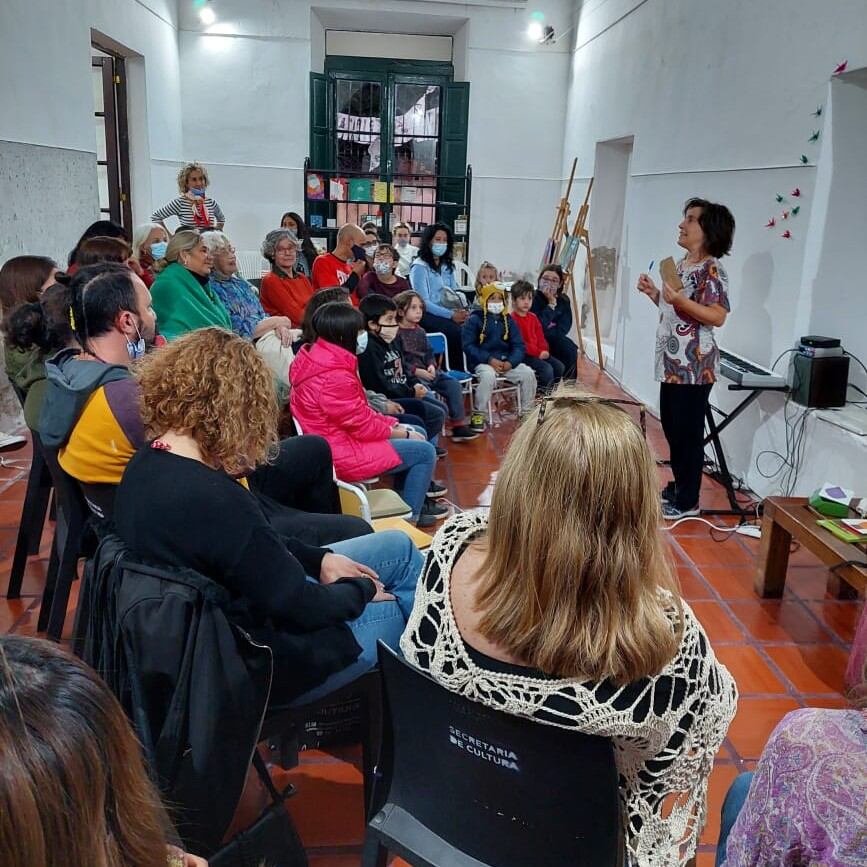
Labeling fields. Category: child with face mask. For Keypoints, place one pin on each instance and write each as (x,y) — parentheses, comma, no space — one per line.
(401,236)
(383,368)
(383,280)
(494,348)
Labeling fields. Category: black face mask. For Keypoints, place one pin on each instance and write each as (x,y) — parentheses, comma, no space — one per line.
(358,253)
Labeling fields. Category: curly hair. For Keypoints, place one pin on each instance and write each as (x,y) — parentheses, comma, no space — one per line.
(214,386)
(186,171)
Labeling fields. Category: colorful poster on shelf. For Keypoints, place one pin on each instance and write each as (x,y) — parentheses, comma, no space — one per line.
(359,190)
(380,191)
(337,189)
(315,186)
(317,221)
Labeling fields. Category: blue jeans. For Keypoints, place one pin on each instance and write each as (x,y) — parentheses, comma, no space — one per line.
(735,798)
(393,556)
(450,389)
(414,472)
(431,413)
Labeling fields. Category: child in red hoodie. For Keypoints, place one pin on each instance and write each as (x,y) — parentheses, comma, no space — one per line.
(548,369)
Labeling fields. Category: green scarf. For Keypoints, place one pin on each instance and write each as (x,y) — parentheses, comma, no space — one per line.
(182,304)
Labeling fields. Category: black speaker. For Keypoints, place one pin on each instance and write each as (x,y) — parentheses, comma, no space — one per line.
(819,382)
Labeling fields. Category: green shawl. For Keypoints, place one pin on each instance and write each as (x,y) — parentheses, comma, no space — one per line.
(182,304)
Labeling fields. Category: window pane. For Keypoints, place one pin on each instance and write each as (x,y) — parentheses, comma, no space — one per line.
(418,156)
(96,80)
(416,128)
(100,138)
(358,126)
(102,183)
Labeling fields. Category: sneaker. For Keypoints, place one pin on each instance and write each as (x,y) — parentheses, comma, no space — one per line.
(441,452)
(670,512)
(436,490)
(477,422)
(11,442)
(667,494)
(431,512)
(462,433)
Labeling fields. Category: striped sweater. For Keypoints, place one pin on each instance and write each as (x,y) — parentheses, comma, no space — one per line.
(183,209)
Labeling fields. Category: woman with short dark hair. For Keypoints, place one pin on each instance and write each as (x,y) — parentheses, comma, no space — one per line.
(687,356)
(307,250)
(551,305)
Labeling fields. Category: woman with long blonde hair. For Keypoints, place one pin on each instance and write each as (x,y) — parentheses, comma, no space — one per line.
(561,605)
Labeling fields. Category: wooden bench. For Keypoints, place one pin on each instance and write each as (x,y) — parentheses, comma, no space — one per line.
(787,518)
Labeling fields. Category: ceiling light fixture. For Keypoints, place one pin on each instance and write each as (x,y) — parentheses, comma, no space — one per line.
(207,15)
(536,29)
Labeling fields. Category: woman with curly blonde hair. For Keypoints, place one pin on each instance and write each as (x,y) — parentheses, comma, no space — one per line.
(194,208)
(208,404)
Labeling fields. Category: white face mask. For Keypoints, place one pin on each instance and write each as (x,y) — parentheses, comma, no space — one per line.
(495,307)
(369,250)
(388,332)
(402,242)
(382,267)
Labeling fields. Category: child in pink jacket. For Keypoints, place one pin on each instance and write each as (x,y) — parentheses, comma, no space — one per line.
(327,399)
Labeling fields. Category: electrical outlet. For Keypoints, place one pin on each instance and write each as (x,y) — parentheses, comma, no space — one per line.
(749,530)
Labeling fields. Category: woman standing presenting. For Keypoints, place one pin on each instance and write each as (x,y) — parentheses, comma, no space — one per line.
(687,357)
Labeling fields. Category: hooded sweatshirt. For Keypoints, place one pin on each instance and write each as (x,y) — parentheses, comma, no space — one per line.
(71,382)
(383,368)
(327,399)
(26,371)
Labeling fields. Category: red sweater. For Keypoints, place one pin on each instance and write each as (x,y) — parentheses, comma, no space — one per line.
(531,331)
(285,296)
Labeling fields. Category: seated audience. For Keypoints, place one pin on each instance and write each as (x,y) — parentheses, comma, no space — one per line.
(149,242)
(248,318)
(538,358)
(344,265)
(98,229)
(382,280)
(400,237)
(61,726)
(307,254)
(382,367)
(561,605)
(103,248)
(376,401)
(327,399)
(493,350)
(486,275)
(552,307)
(194,208)
(182,295)
(432,275)
(285,290)
(806,801)
(33,333)
(210,413)
(91,411)
(420,363)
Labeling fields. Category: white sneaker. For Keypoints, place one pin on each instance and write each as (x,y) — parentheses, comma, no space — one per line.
(11,442)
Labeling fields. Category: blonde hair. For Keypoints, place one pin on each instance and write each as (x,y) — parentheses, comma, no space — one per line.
(182,241)
(574,557)
(482,267)
(215,387)
(186,171)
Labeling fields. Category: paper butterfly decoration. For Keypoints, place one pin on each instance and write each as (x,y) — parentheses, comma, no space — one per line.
(818,112)
(785,215)
(771,223)
(786,234)
(804,159)
(841,67)
(795,193)
(795,211)
(780,198)
(814,136)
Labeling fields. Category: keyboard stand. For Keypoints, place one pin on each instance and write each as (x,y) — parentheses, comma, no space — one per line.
(722,475)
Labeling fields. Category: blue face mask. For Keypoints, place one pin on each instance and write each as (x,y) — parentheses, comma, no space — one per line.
(439,249)
(135,350)
(361,342)
(158,250)
(197,191)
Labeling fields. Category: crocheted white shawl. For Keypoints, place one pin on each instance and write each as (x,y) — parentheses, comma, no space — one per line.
(664,760)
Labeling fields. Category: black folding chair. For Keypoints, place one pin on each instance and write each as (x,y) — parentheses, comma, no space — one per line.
(33,514)
(462,785)
(72,517)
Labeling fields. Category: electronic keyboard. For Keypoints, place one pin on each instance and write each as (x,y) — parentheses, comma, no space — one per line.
(747,374)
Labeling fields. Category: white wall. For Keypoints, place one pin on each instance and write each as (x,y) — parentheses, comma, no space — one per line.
(719,99)
(246,109)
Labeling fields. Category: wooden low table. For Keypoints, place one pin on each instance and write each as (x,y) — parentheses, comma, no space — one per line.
(787,518)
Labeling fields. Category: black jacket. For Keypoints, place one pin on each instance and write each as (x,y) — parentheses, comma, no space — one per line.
(383,369)
(195,686)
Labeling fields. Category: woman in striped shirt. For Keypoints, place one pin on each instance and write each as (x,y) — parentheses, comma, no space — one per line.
(193,207)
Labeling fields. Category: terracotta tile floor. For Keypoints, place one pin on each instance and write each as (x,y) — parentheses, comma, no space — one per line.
(784,654)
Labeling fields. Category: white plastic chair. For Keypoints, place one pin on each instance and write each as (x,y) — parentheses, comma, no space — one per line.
(251,264)
(463,276)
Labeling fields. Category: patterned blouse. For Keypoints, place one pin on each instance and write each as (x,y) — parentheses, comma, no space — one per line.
(665,729)
(241,302)
(189,214)
(807,803)
(686,351)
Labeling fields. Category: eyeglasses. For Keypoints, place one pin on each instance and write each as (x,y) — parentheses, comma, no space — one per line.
(610,401)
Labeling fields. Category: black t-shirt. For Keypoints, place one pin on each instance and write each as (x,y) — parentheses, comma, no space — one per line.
(175,511)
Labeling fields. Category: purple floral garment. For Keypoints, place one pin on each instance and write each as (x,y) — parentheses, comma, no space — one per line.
(808,800)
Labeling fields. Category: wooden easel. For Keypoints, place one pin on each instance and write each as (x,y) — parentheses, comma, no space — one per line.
(579,231)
